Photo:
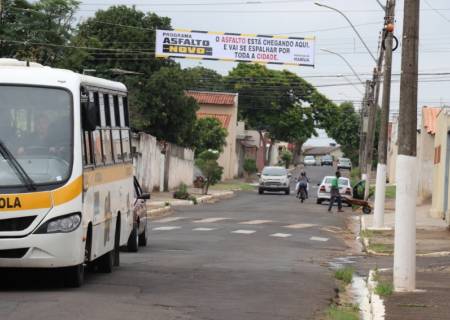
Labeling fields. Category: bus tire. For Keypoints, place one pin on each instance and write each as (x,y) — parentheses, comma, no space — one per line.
(105,262)
(116,250)
(133,240)
(143,238)
(74,276)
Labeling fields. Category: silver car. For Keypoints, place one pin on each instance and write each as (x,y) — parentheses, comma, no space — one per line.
(274,179)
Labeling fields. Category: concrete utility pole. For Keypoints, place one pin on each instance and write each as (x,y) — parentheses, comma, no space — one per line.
(363,125)
(405,204)
(372,119)
(380,189)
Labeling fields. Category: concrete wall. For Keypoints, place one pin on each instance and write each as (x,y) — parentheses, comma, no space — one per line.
(155,169)
(440,141)
(425,158)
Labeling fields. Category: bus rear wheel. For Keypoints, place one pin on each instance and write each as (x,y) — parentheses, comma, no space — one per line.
(133,241)
(105,262)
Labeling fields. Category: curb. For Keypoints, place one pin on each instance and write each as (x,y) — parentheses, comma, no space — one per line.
(366,242)
(155,213)
(377,308)
(216,197)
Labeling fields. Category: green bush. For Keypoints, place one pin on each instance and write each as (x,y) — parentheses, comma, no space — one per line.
(182,192)
(250,166)
(207,163)
(286,157)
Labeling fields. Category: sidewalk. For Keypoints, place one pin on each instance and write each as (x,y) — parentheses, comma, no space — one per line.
(431,300)
(161,203)
(432,234)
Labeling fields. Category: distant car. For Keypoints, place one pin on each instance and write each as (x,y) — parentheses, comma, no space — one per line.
(344,163)
(309,161)
(326,160)
(140,232)
(323,193)
(274,179)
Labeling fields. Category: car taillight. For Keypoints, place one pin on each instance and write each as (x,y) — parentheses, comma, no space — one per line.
(348,191)
(322,189)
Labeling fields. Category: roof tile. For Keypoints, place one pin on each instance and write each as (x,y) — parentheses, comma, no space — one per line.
(219,98)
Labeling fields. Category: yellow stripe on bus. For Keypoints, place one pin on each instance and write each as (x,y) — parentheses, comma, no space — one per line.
(26,201)
(68,192)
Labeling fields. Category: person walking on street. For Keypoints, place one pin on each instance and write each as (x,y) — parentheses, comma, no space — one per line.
(334,193)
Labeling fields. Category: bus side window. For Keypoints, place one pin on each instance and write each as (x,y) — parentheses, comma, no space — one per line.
(117,145)
(107,146)
(97,141)
(126,144)
(116,111)
(121,112)
(87,149)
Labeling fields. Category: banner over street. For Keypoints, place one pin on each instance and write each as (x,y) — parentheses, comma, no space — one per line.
(204,45)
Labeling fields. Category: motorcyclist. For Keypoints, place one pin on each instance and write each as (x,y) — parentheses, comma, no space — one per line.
(302,183)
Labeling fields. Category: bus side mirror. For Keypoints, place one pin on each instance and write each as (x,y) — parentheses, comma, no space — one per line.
(90,115)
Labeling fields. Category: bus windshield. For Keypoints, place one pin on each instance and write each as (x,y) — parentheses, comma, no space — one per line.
(36,131)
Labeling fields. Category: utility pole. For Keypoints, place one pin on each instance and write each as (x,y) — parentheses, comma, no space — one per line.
(405,204)
(363,125)
(380,189)
(370,137)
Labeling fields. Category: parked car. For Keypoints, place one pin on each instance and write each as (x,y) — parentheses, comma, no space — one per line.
(140,232)
(274,179)
(309,161)
(323,192)
(326,160)
(344,163)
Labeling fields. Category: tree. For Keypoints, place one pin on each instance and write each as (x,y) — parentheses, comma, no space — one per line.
(201,78)
(209,134)
(207,163)
(278,102)
(286,157)
(119,37)
(345,129)
(162,109)
(37,31)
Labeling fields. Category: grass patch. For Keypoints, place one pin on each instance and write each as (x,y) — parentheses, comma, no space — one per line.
(233,185)
(382,248)
(391,192)
(384,289)
(367,233)
(345,312)
(344,274)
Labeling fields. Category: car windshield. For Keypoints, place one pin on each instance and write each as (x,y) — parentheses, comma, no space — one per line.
(309,158)
(344,160)
(274,172)
(326,158)
(36,130)
(344,182)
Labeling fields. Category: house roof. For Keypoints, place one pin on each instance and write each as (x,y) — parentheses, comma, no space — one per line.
(319,151)
(223,118)
(429,119)
(217,98)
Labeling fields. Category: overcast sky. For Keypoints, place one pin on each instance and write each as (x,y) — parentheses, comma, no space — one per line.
(303,18)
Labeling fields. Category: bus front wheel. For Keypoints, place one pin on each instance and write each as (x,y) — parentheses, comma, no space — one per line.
(74,276)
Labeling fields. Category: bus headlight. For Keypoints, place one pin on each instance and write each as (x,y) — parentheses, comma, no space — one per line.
(64,224)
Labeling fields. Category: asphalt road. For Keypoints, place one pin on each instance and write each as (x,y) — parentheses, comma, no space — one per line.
(250,257)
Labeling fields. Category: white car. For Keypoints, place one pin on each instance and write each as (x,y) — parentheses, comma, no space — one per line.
(344,163)
(323,193)
(309,161)
(274,179)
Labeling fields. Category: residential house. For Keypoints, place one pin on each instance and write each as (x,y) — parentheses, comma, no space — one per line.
(425,153)
(249,145)
(441,168)
(224,107)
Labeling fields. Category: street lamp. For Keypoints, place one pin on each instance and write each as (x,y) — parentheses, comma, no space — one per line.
(346,61)
(351,24)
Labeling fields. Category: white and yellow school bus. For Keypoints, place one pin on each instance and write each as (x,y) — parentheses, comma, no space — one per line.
(66,176)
